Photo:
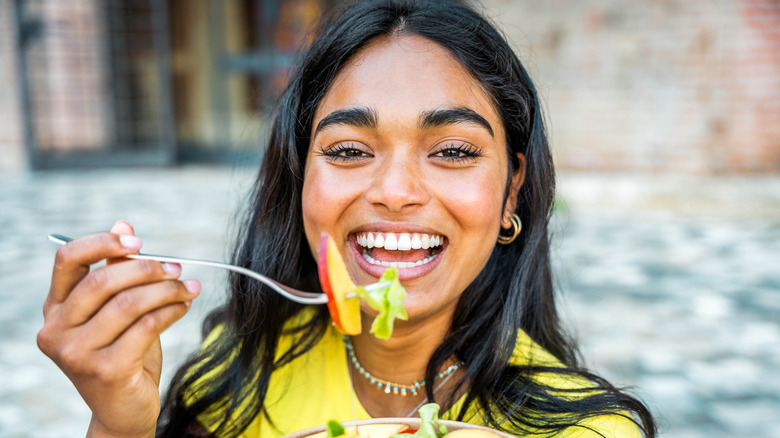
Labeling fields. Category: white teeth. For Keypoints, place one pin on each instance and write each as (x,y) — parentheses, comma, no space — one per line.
(399,241)
(391,242)
(404,242)
(397,265)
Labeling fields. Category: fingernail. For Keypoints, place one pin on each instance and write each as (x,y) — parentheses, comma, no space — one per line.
(130,242)
(121,226)
(188,303)
(173,269)
(193,286)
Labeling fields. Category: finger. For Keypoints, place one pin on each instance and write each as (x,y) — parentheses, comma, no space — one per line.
(121,228)
(139,338)
(102,284)
(73,260)
(131,305)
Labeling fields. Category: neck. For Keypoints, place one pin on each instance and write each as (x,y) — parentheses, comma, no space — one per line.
(402,359)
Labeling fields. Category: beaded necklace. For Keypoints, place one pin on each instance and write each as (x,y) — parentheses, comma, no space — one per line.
(390,387)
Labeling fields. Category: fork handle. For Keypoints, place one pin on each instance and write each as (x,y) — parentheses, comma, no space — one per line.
(292,294)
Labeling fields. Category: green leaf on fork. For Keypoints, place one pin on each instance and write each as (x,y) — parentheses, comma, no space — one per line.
(388,301)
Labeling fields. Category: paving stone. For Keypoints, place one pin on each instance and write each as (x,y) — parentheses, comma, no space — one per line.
(671,395)
(755,418)
(657,359)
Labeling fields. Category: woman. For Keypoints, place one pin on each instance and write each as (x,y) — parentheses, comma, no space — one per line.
(413,136)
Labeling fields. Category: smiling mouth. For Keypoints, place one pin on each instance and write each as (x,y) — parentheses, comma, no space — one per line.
(399,250)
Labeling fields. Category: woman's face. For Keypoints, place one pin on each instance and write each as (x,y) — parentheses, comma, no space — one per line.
(407,167)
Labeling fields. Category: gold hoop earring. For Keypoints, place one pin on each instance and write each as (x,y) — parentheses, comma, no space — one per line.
(517,225)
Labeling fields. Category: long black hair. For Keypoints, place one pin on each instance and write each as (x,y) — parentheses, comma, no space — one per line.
(513,292)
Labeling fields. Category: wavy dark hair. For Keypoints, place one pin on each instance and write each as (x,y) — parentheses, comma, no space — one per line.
(513,292)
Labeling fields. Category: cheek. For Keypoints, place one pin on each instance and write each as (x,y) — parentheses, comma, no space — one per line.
(314,200)
(325,198)
(476,203)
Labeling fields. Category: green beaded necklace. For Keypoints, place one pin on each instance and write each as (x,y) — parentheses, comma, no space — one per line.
(390,387)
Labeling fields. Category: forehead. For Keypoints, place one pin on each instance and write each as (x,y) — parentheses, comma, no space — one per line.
(402,75)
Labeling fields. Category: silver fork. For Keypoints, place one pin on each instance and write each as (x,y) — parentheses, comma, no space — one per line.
(288,292)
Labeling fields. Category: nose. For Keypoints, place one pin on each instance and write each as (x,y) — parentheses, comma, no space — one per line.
(398,184)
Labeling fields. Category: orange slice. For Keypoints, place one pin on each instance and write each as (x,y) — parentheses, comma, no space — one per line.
(336,283)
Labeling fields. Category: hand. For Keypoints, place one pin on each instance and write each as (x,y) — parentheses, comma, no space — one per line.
(102,327)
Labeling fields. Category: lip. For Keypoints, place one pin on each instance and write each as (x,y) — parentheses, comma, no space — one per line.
(404,274)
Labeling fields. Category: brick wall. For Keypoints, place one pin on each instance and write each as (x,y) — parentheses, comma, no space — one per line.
(754,86)
(11,149)
(689,86)
(68,78)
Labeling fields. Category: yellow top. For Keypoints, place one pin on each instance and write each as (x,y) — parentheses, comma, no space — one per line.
(316,387)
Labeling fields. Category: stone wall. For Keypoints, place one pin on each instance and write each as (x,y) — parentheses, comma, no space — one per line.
(688,86)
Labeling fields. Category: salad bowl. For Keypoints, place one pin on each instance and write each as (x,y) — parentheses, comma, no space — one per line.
(387,427)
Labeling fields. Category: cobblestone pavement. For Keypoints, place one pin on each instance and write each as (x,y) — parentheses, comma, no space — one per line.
(672,285)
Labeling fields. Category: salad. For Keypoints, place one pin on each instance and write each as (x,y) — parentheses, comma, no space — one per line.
(430,427)
(344,296)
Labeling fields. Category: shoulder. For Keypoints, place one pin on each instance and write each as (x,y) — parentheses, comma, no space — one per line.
(543,368)
(527,352)
(608,426)
(566,383)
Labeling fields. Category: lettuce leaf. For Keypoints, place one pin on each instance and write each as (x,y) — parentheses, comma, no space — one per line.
(388,301)
(430,427)
(335,429)
(429,423)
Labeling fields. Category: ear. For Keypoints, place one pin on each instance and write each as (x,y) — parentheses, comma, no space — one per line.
(515,182)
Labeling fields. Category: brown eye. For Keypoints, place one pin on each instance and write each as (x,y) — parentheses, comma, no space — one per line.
(458,152)
(345,152)
(452,153)
(351,153)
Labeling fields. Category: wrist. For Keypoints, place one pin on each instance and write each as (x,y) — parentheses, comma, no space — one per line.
(99,430)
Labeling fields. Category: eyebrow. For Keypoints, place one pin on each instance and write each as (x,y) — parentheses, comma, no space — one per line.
(360,117)
(366,118)
(451,116)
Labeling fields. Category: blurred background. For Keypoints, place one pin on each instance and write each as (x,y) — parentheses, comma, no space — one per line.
(665,124)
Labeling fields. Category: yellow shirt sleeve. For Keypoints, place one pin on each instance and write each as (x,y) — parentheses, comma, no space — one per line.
(609,426)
